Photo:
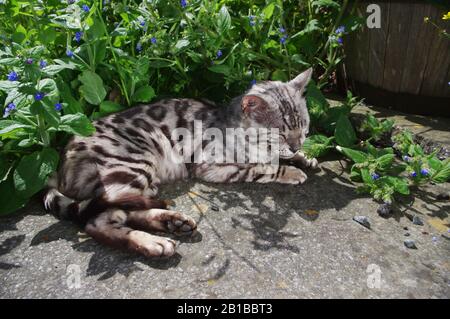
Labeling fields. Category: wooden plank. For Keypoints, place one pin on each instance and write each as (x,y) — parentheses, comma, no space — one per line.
(397,41)
(438,60)
(377,47)
(436,68)
(357,57)
(419,43)
(446,86)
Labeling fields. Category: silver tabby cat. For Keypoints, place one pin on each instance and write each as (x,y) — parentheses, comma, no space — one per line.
(108,182)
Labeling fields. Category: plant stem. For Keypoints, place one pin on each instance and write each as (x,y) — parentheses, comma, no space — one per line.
(119,68)
(42,132)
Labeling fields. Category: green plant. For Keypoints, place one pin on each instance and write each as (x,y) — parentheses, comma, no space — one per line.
(377,171)
(65,63)
(375,128)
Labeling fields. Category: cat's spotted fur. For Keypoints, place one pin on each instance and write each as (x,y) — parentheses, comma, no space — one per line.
(108,182)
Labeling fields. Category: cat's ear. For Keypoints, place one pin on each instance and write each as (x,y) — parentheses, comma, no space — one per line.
(251,103)
(302,79)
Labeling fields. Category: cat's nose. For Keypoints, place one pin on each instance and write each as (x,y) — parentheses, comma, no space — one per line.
(294,145)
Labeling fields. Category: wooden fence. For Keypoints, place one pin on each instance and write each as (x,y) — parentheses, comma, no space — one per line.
(405,64)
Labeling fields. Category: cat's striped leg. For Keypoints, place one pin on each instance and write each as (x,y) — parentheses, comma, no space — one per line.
(110,228)
(260,173)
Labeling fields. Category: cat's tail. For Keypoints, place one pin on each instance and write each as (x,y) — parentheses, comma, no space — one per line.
(62,206)
(65,207)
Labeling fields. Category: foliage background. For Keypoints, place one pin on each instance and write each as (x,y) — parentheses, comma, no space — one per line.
(64,63)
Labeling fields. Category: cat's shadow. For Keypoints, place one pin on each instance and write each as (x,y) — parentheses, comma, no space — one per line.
(248,209)
(245,202)
(264,210)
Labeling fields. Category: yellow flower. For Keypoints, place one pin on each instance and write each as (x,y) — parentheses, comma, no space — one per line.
(446,16)
(426,19)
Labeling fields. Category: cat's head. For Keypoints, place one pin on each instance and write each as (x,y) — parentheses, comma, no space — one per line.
(282,105)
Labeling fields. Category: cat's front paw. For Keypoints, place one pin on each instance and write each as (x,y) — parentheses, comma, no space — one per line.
(312,163)
(300,160)
(292,175)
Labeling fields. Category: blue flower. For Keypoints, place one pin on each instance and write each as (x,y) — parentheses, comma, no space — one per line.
(39,96)
(252,82)
(340,40)
(424,172)
(9,109)
(139,47)
(375,176)
(183,3)
(142,23)
(58,106)
(153,40)
(252,20)
(406,158)
(42,64)
(219,53)
(85,8)
(78,36)
(282,30)
(283,39)
(29,61)
(69,53)
(340,30)
(413,174)
(13,76)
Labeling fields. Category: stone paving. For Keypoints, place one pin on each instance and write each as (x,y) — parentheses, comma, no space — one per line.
(265,241)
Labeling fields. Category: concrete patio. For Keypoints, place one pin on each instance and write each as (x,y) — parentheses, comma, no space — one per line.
(265,241)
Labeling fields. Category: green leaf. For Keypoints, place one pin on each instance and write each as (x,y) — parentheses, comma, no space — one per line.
(279,75)
(31,175)
(107,107)
(443,175)
(311,26)
(77,124)
(317,145)
(316,102)
(92,88)
(9,127)
(58,67)
(48,86)
(144,94)
(220,68)
(399,184)
(5,86)
(47,35)
(344,132)
(366,177)
(325,3)
(435,163)
(181,44)
(5,166)
(73,106)
(385,161)
(46,108)
(224,20)
(9,199)
(20,35)
(354,155)
(268,11)
(355,174)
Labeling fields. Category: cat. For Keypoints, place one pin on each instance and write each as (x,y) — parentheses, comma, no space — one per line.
(108,182)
